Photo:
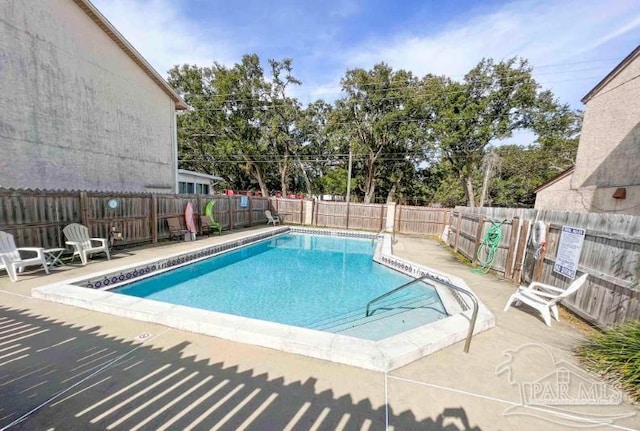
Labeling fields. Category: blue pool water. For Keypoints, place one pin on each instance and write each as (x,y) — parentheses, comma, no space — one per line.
(295,279)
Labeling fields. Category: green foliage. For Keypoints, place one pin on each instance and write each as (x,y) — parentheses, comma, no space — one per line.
(491,102)
(447,192)
(413,139)
(374,121)
(240,123)
(334,182)
(615,354)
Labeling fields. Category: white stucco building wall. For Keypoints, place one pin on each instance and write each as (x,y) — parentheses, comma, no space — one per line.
(608,155)
(81,109)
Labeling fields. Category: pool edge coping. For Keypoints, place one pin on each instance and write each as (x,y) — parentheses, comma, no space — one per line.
(382,355)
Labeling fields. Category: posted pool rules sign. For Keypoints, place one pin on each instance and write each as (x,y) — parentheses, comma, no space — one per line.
(569,249)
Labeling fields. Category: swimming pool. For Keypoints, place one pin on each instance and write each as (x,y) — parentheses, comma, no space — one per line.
(310,281)
(400,338)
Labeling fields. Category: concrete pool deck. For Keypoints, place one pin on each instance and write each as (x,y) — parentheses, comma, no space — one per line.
(113,372)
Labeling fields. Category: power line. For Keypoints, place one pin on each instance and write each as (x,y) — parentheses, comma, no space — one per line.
(457,118)
(264,105)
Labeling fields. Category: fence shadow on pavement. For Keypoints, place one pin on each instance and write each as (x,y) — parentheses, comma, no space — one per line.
(56,375)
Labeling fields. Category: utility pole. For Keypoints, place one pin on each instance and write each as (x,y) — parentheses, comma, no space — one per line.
(491,162)
(349,177)
(349,185)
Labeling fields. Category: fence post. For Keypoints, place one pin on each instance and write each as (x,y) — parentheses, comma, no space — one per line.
(520,251)
(153,218)
(347,215)
(250,210)
(314,204)
(515,221)
(84,219)
(390,224)
(476,245)
(443,216)
(458,227)
(230,199)
(539,266)
(381,216)
(301,211)
(399,219)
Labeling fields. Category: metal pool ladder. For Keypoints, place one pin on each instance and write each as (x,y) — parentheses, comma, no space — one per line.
(474,300)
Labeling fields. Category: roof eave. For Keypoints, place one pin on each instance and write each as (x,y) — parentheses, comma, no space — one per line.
(555,179)
(595,90)
(200,174)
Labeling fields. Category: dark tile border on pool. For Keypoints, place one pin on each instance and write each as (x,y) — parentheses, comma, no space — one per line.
(332,232)
(149,268)
(417,271)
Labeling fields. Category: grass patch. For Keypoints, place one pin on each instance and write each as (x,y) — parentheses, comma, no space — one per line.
(615,355)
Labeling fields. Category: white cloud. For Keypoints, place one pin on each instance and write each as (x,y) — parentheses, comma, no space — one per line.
(158,30)
(543,32)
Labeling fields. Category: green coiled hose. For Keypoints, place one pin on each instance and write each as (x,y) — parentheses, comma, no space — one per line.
(488,247)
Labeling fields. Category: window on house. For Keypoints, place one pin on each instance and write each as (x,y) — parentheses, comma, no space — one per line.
(202,189)
(184,187)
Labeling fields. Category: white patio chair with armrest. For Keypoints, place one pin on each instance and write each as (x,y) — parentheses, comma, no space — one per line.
(273,219)
(11,258)
(544,297)
(78,237)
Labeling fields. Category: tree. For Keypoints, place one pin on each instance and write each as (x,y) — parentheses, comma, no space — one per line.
(318,151)
(412,140)
(240,122)
(281,120)
(558,128)
(491,102)
(374,118)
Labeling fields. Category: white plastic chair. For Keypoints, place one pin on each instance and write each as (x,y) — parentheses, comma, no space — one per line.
(274,220)
(544,297)
(12,260)
(78,236)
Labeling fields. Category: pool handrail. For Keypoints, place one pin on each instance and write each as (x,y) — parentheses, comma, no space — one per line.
(474,300)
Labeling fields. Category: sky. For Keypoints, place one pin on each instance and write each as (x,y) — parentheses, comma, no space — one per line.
(571,44)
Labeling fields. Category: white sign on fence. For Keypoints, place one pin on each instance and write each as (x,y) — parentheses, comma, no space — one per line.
(569,250)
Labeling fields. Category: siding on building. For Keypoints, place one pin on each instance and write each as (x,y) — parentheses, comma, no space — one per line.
(609,150)
(78,112)
(558,194)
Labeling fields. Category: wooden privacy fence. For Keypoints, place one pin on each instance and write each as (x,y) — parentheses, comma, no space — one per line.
(289,210)
(610,255)
(370,217)
(36,218)
(420,220)
(467,231)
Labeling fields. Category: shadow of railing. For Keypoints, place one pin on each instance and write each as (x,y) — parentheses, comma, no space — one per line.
(55,375)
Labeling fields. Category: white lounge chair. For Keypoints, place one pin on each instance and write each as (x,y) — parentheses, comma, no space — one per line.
(78,236)
(544,297)
(12,260)
(274,220)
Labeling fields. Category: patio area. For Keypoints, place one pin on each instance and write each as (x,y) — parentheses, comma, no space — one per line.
(68,368)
